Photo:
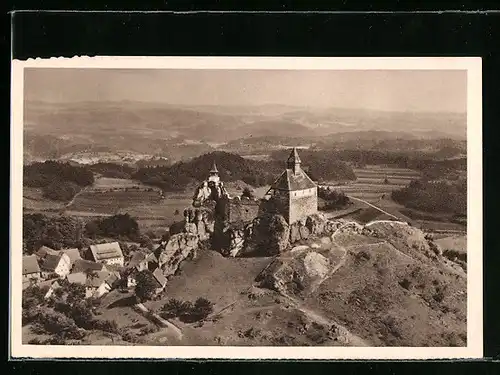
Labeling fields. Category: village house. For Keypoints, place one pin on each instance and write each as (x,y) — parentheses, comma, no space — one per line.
(51,285)
(96,283)
(45,250)
(160,279)
(140,262)
(31,270)
(73,254)
(83,265)
(295,194)
(106,253)
(55,265)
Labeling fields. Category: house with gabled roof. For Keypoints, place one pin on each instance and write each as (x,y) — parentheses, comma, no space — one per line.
(45,250)
(73,254)
(294,192)
(96,283)
(31,269)
(139,262)
(53,264)
(106,253)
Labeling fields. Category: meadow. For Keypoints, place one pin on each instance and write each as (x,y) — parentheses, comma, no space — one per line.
(374,182)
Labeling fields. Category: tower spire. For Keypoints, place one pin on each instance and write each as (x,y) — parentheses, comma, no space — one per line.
(293,161)
(214,169)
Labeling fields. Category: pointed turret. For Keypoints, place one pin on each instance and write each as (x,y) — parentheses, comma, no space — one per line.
(214,174)
(214,169)
(293,161)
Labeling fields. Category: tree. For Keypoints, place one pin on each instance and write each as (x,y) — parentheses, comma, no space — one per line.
(247,193)
(146,286)
(202,308)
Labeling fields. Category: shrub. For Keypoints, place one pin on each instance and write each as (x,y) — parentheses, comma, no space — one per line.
(130,337)
(202,308)
(148,329)
(106,325)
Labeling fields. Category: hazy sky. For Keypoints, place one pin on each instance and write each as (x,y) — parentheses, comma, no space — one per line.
(380,90)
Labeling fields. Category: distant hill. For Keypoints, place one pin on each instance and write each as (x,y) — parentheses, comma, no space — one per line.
(234,168)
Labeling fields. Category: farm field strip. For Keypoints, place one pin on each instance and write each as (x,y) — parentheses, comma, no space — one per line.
(401,171)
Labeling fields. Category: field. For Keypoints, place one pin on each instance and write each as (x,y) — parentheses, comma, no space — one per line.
(34,201)
(371,186)
(110,196)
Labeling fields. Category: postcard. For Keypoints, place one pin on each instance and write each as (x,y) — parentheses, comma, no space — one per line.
(246,208)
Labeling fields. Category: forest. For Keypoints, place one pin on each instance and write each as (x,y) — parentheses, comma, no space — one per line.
(59,181)
(436,197)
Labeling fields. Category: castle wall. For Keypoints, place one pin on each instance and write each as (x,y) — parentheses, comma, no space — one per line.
(302,203)
(243,211)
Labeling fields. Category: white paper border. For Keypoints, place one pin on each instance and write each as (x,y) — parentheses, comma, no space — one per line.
(474,347)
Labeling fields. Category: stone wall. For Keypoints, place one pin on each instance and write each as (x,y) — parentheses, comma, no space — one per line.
(302,206)
(243,210)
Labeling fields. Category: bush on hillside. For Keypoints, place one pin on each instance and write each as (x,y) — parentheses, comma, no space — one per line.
(146,286)
(60,190)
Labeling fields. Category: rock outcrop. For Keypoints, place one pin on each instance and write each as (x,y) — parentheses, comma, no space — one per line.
(271,235)
(179,247)
(300,272)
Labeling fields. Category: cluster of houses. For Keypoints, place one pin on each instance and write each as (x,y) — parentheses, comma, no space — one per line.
(100,268)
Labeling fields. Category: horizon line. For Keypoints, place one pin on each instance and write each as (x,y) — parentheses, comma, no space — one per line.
(26,100)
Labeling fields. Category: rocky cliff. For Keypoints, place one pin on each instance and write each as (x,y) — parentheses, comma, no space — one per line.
(185,239)
(270,234)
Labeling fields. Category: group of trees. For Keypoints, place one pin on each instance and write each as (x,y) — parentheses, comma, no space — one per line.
(66,315)
(56,232)
(59,181)
(438,197)
(187,311)
(332,199)
(120,225)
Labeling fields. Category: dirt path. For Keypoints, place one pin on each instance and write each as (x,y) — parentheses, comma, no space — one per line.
(373,206)
(170,328)
(74,197)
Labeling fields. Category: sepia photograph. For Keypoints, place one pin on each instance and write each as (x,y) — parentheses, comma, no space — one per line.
(246,208)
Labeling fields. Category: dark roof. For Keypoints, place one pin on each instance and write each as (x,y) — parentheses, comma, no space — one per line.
(73,254)
(50,262)
(294,157)
(159,277)
(30,265)
(82,265)
(99,278)
(77,278)
(290,181)
(106,251)
(44,250)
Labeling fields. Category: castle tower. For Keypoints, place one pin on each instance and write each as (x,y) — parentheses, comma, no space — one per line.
(214,174)
(294,191)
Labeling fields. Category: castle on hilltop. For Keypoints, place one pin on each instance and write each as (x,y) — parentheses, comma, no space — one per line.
(294,192)
(293,195)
